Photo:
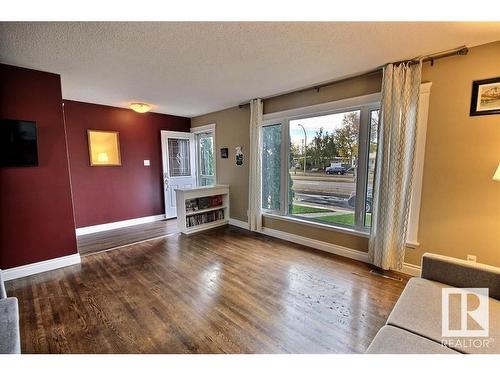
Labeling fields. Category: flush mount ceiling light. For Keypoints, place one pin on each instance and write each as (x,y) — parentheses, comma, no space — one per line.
(140,107)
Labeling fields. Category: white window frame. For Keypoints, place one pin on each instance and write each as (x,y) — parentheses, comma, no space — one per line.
(345,104)
(364,104)
(205,129)
(418,171)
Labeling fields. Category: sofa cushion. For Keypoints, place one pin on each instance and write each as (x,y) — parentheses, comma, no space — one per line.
(393,340)
(418,310)
(9,326)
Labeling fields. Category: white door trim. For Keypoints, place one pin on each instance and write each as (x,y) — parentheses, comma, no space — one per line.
(165,135)
(210,128)
(204,129)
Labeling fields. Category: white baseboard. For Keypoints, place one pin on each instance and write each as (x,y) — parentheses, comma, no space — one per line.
(118,224)
(411,269)
(316,244)
(238,223)
(43,266)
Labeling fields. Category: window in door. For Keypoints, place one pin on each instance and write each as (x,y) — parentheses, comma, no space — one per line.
(178,157)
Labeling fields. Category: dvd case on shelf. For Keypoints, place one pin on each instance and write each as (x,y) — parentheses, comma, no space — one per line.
(203,218)
(203,203)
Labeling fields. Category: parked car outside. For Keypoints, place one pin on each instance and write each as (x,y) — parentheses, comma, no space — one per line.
(335,169)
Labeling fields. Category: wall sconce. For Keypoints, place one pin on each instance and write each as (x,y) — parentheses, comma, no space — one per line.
(102,157)
(496,176)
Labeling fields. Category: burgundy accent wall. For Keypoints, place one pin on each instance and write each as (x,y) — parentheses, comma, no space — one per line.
(108,194)
(36,214)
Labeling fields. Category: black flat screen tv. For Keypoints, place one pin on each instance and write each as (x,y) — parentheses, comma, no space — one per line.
(18,143)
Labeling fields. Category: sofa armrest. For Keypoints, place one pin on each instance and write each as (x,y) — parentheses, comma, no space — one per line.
(461,273)
(10,342)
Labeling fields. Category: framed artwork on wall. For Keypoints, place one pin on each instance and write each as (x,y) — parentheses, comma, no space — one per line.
(485,97)
(239,155)
(224,153)
(104,148)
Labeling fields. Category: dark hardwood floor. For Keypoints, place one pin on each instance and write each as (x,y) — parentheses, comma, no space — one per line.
(223,291)
(95,242)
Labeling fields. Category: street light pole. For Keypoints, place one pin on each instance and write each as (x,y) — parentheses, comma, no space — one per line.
(305,147)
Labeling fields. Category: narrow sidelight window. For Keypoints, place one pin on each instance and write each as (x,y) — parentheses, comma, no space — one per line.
(271,167)
(206,161)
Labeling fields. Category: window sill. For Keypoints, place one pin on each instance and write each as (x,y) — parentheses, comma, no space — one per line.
(332,228)
(412,244)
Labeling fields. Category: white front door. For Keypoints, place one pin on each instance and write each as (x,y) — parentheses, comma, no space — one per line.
(179,166)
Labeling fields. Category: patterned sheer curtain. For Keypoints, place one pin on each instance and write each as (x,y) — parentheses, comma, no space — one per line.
(395,160)
(255,178)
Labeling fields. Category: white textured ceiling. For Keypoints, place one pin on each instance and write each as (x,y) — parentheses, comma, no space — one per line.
(192,68)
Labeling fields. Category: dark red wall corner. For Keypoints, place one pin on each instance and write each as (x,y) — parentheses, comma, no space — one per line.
(132,190)
(36,213)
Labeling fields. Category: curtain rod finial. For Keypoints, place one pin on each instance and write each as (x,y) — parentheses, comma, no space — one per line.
(464,51)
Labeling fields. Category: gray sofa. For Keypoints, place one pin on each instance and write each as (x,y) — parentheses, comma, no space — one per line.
(414,325)
(10,342)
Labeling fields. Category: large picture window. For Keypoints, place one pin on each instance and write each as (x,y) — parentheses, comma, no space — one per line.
(320,167)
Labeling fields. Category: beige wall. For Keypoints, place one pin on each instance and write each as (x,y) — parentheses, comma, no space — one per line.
(231,131)
(320,234)
(350,88)
(460,208)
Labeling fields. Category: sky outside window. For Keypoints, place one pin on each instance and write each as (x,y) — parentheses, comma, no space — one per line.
(329,123)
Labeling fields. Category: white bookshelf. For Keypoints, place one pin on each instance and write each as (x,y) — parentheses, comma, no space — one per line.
(195,222)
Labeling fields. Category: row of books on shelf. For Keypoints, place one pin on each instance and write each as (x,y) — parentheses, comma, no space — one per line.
(203,203)
(206,217)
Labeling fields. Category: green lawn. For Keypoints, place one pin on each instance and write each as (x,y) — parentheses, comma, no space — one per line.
(344,219)
(298,209)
